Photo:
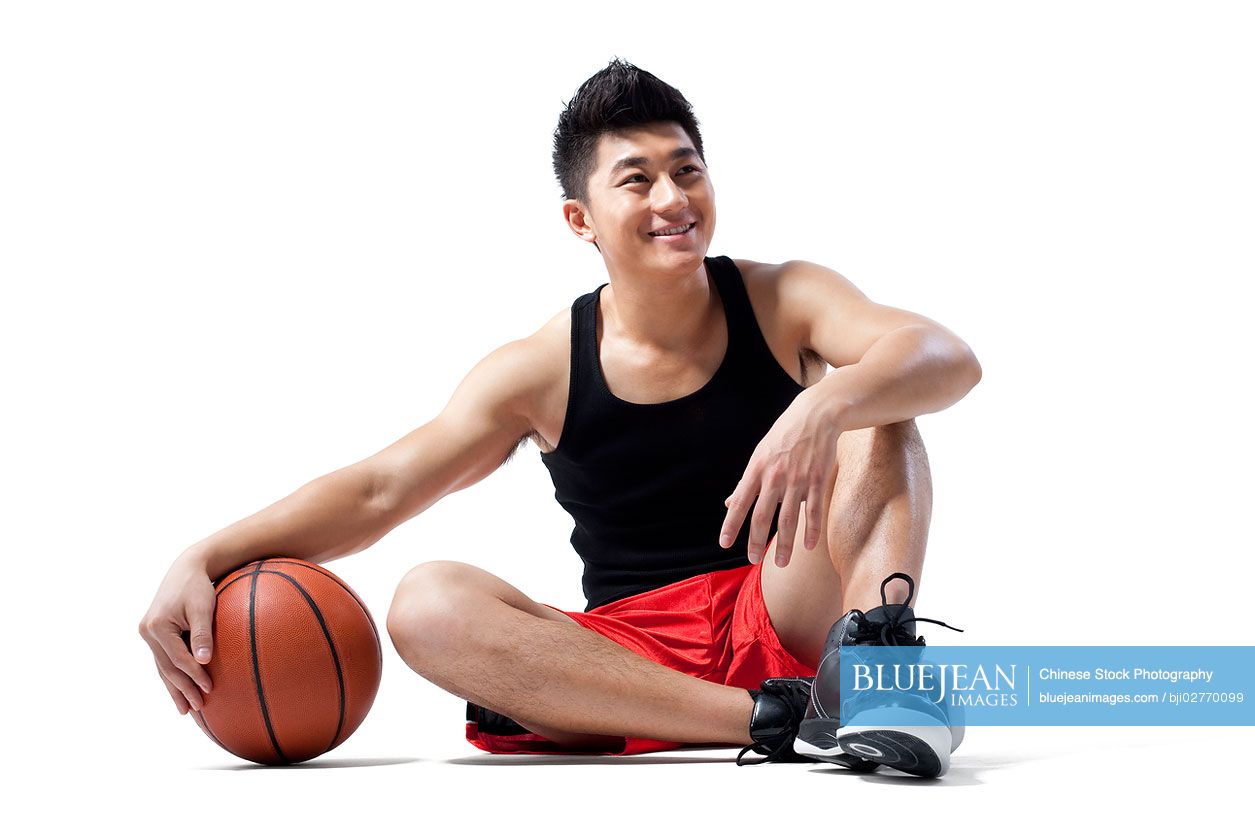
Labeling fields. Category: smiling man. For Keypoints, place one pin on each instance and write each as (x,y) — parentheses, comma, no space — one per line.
(741,514)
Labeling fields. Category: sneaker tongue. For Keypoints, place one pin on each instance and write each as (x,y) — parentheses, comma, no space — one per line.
(893,612)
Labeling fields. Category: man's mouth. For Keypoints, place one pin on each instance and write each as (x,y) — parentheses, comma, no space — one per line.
(673,231)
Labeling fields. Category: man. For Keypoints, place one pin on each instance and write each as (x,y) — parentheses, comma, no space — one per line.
(682,399)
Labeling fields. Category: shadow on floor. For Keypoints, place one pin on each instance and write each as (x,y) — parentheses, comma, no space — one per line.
(963,772)
(318,763)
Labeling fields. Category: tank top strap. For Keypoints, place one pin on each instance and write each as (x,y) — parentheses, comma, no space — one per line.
(584,358)
(745,336)
(584,399)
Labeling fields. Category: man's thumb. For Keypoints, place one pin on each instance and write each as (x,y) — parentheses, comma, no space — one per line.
(202,636)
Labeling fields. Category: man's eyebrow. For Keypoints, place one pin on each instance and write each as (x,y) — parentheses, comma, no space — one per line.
(636,162)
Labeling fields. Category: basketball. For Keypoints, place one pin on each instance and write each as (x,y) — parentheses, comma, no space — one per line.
(296,662)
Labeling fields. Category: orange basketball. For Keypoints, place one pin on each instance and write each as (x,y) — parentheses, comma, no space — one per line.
(296,662)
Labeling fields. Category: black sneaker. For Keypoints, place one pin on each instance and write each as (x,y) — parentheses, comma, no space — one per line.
(490,722)
(778,707)
(922,749)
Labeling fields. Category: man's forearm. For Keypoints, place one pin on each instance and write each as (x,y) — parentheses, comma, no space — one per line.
(332,516)
(908,372)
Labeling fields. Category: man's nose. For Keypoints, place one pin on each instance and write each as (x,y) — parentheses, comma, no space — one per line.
(668,196)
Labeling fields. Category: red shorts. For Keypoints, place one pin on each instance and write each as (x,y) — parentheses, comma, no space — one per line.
(713,626)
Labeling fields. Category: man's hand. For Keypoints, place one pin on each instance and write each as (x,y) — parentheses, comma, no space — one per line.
(185,603)
(795,461)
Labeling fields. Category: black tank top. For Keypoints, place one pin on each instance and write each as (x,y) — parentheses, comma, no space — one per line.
(645,483)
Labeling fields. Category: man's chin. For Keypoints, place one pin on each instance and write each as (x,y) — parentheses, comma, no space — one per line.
(679,259)
(677,262)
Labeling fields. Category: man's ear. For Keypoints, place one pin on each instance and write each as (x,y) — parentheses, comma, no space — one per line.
(579,220)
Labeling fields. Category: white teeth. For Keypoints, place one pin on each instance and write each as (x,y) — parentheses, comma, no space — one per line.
(673,230)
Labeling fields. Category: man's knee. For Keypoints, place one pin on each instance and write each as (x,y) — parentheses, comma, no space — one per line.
(888,440)
(429,610)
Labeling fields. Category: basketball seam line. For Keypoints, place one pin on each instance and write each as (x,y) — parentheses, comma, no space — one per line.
(290,561)
(252,635)
(335,657)
(326,574)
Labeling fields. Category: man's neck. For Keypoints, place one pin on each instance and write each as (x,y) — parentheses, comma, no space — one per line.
(659,313)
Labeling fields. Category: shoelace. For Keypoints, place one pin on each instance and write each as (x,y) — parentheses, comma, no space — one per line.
(893,632)
(784,749)
(776,754)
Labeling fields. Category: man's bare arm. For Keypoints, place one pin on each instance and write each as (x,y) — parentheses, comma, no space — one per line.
(344,511)
(890,364)
(348,510)
(485,420)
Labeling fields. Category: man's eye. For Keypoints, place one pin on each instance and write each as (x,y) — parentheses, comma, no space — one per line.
(681,171)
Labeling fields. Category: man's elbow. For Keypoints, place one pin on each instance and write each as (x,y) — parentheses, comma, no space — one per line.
(970,367)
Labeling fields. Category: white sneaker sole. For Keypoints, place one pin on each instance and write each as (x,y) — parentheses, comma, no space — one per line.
(922,750)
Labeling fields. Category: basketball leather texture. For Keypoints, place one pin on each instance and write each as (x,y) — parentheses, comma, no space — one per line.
(296,662)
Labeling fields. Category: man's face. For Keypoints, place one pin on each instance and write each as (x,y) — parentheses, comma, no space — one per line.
(648,179)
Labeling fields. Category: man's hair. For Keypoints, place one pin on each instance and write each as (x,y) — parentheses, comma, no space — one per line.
(618,97)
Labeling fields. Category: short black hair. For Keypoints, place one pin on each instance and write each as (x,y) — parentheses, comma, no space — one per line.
(618,97)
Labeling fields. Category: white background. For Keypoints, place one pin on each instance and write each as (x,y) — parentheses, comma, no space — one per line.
(245,244)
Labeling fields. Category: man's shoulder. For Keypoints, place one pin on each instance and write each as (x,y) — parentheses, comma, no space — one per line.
(545,362)
(552,340)
(770,277)
(766,284)
(757,271)
(543,355)
(782,305)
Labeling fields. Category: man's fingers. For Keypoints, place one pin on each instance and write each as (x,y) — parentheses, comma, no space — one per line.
(814,515)
(734,519)
(788,525)
(182,689)
(180,701)
(760,524)
(181,658)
